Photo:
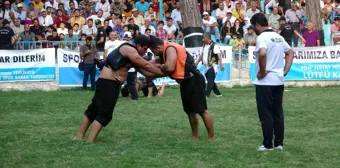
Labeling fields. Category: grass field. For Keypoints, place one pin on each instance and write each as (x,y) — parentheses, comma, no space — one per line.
(37,130)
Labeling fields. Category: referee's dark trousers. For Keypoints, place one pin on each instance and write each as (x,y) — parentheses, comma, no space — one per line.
(270,110)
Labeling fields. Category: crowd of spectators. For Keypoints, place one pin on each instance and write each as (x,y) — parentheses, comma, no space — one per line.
(66,21)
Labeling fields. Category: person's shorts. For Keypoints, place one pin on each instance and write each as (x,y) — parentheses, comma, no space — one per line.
(193,94)
(103,101)
(145,90)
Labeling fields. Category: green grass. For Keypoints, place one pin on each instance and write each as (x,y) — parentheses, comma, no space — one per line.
(37,127)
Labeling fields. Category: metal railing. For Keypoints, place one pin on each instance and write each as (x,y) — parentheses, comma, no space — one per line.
(240,58)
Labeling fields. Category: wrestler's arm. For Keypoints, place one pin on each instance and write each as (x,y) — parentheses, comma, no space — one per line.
(171,58)
(139,61)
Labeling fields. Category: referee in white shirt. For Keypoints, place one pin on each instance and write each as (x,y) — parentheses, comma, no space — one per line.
(271,67)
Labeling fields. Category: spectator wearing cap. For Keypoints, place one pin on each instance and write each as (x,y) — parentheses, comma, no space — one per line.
(118,28)
(252,10)
(97,16)
(38,4)
(287,31)
(221,13)
(105,6)
(31,8)
(20,13)
(311,36)
(139,20)
(161,32)
(336,34)
(89,52)
(250,37)
(5,10)
(142,6)
(62,29)
(14,5)
(51,3)
(76,18)
(210,24)
(147,25)
(273,20)
(59,18)
(6,36)
(176,16)
(101,36)
(44,19)
(117,7)
(17,27)
(25,37)
(229,17)
(238,12)
(89,29)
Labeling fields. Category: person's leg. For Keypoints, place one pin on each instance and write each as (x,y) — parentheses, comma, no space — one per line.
(95,129)
(264,103)
(87,70)
(131,83)
(210,80)
(215,88)
(161,89)
(93,76)
(217,34)
(209,124)
(83,128)
(150,85)
(278,116)
(193,120)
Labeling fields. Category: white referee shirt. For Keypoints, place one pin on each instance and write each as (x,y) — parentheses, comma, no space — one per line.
(276,47)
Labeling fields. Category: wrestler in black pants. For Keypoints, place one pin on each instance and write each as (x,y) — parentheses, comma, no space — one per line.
(131,85)
(270,110)
(211,75)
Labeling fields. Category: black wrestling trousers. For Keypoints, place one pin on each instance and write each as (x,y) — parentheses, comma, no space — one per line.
(270,111)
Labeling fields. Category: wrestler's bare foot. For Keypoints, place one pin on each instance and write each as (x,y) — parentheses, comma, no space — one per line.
(89,142)
(195,138)
(211,139)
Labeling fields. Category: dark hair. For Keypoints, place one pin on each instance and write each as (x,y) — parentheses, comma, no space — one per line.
(161,22)
(125,92)
(154,42)
(147,30)
(89,38)
(142,40)
(208,35)
(260,19)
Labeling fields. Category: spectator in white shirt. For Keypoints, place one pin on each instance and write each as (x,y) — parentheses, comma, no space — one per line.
(45,20)
(20,14)
(229,5)
(51,3)
(271,4)
(150,14)
(210,24)
(62,29)
(147,25)
(99,16)
(112,44)
(89,29)
(176,16)
(274,19)
(253,10)
(170,29)
(221,13)
(105,6)
(229,18)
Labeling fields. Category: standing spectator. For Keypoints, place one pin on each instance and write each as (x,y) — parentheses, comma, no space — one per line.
(253,10)
(6,36)
(45,20)
(112,43)
(139,20)
(250,37)
(293,16)
(101,36)
(161,32)
(5,10)
(210,24)
(170,30)
(105,6)
(311,36)
(142,6)
(221,13)
(89,53)
(335,25)
(246,25)
(25,38)
(273,20)
(54,39)
(286,31)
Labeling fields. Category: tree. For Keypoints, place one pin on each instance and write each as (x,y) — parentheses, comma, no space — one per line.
(313,13)
(191,23)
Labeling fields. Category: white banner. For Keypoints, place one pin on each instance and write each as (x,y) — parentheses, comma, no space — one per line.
(27,65)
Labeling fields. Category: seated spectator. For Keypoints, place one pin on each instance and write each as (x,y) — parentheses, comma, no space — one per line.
(112,21)
(128,11)
(170,30)
(60,18)
(49,12)
(253,10)
(40,41)
(31,8)
(161,32)
(107,27)
(273,20)
(76,30)
(142,6)
(221,13)
(176,16)
(45,20)
(271,5)
(76,18)
(15,5)
(88,11)
(117,7)
(237,28)
(139,20)
(11,18)
(238,12)
(17,27)
(38,4)
(311,36)
(150,14)
(119,29)
(147,26)
(133,26)
(70,6)
(48,31)
(246,24)
(53,39)
(229,18)
(105,6)
(36,28)
(210,24)
(51,3)
(62,29)
(229,5)
(155,6)
(89,29)
(250,37)
(30,18)
(62,43)
(226,33)
(206,6)
(20,13)
(97,16)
